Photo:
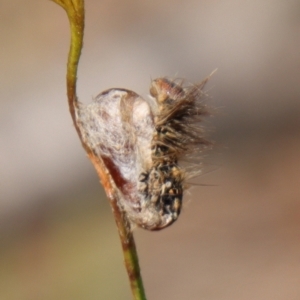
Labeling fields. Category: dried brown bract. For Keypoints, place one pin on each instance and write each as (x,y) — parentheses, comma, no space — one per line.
(141,145)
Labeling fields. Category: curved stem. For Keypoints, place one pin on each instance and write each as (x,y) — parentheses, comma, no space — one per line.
(75,12)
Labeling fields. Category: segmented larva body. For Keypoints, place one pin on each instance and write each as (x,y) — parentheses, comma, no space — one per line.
(141,144)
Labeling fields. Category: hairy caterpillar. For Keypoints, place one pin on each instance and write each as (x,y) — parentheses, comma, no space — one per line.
(141,143)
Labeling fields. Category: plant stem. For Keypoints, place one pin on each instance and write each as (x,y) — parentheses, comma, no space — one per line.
(75,12)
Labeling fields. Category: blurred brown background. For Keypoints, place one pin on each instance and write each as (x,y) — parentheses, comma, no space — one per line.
(236,240)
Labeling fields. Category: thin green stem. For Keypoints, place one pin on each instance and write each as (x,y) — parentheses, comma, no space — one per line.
(129,252)
(75,12)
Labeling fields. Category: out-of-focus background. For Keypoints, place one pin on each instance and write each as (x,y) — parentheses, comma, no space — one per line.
(239,239)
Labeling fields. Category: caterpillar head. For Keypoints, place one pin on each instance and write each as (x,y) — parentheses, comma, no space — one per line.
(163,89)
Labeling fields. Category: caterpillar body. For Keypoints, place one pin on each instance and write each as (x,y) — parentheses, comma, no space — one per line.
(141,144)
